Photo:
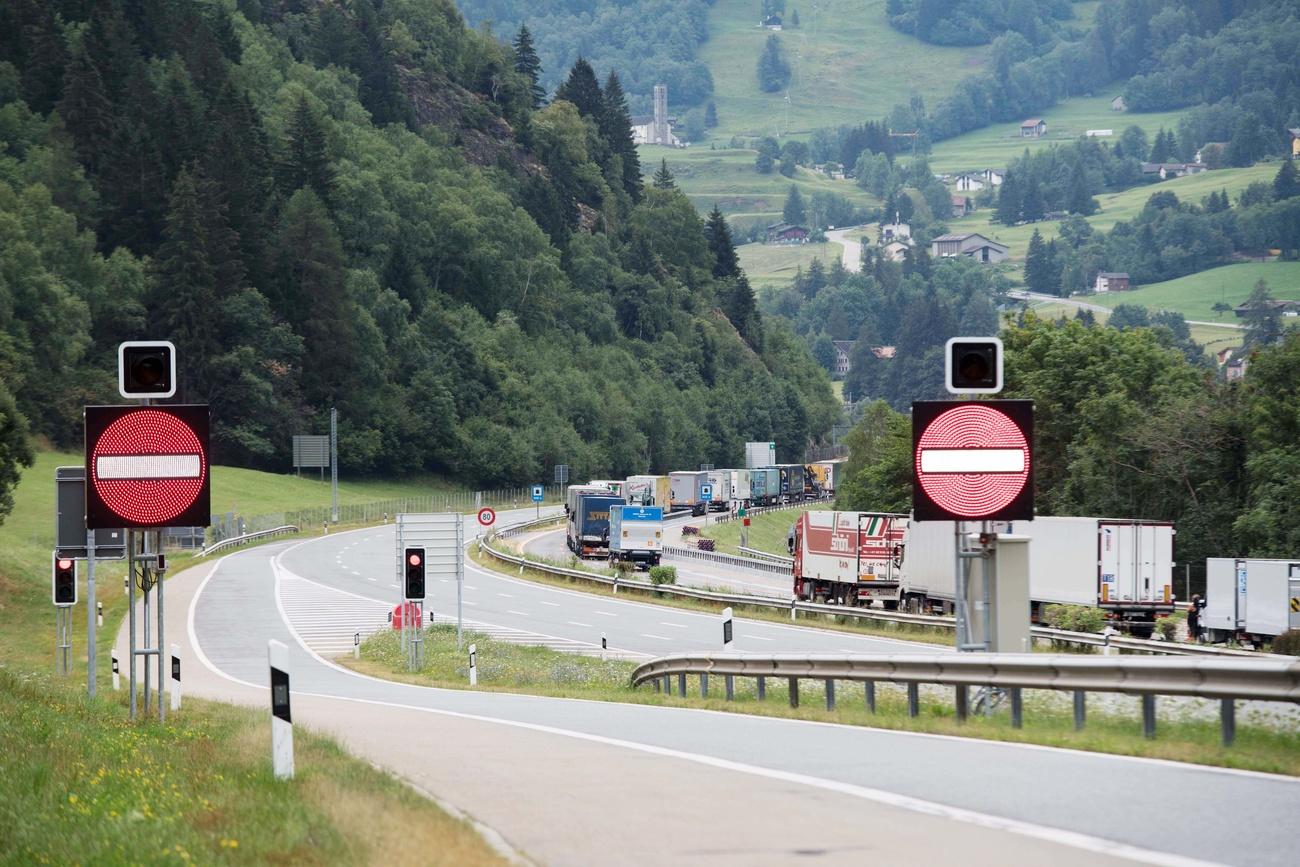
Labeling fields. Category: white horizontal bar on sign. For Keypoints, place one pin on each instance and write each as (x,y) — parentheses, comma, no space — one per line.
(148,467)
(972,460)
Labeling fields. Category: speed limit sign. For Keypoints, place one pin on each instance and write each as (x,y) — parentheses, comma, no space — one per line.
(487,517)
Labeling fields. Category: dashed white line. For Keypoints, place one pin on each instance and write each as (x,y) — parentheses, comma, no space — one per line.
(606,614)
(758,638)
(660,637)
(520,613)
(370,579)
(506,595)
(576,623)
(552,604)
(674,625)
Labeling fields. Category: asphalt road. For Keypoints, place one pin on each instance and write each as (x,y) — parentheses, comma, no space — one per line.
(583,782)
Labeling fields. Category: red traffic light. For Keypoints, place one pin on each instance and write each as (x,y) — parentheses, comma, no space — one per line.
(65,563)
(413,558)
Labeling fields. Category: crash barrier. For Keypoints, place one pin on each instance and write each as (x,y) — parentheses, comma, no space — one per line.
(236,541)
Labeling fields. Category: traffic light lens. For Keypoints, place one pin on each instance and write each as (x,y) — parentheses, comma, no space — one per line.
(148,369)
(413,559)
(974,366)
(65,564)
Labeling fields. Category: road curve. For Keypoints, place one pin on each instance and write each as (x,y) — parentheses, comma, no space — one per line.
(673,785)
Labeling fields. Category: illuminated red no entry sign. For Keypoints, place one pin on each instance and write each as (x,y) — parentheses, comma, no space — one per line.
(972,461)
(147,466)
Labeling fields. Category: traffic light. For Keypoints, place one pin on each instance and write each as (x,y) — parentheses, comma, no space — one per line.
(65,581)
(146,368)
(414,562)
(973,365)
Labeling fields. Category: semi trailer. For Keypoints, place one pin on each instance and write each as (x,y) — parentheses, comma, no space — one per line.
(647,491)
(636,534)
(825,477)
(1251,600)
(853,558)
(792,482)
(587,528)
(722,493)
(686,489)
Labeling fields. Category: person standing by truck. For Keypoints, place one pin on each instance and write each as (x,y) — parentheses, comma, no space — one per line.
(1194,619)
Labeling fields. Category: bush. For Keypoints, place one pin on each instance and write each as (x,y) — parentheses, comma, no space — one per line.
(663,574)
(1075,618)
(1167,627)
(1288,643)
(624,567)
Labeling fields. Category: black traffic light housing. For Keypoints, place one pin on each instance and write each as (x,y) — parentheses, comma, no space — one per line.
(973,365)
(64,588)
(146,369)
(413,563)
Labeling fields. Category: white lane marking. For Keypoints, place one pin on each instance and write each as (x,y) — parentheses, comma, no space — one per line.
(584,625)
(371,579)
(758,638)
(467,602)
(605,614)
(660,637)
(552,604)
(674,625)
(470,587)
(507,595)
(520,613)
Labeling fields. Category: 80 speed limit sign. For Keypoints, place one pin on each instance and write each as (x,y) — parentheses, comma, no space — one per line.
(487,517)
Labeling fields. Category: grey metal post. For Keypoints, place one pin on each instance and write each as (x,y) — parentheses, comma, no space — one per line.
(830,694)
(963,702)
(1148,716)
(658,685)
(913,700)
(681,685)
(1080,709)
(668,684)
(162,638)
(334,464)
(704,686)
(130,608)
(762,688)
(869,693)
(731,688)
(460,579)
(794,692)
(1228,716)
(1017,708)
(92,611)
(1187,580)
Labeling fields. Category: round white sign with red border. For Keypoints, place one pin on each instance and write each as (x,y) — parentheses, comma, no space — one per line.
(487,517)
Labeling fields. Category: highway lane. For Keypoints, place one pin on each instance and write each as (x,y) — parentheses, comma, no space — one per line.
(1100,804)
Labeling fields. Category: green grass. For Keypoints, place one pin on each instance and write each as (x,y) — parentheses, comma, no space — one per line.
(995,146)
(504,667)
(1213,338)
(1195,295)
(848,66)
(81,784)
(775,265)
(768,531)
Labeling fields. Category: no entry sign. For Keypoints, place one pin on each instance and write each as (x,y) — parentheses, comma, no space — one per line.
(973,461)
(147,466)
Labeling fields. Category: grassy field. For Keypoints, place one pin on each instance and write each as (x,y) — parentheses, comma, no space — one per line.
(1195,295)
(848,66)
(995,146)
(504,667)
(775,265)
(1118,206)
(80,784)
(1211,337)
(767,532)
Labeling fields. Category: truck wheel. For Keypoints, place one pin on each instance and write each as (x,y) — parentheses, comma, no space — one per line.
(890,604)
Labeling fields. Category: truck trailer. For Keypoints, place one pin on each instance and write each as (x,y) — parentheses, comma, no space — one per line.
(850,558)
(685,491)
(722,496)
(647,491)
(825,477)
(636,534)
(1252,600)
(759,455)
(587,529)
(615,486)
(771,486)
(791,482)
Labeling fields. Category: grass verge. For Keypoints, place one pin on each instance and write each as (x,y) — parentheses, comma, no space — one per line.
(768,531)
(504,667)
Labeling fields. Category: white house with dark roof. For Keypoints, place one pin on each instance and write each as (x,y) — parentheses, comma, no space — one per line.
(970,244)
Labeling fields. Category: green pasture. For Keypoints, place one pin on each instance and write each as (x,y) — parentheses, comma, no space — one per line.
(1195,295)
(775,265)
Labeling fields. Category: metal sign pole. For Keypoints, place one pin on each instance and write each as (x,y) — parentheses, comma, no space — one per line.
(162,669)
(92,611)
(130,607)
(460,577)
(334,464)
(146,580)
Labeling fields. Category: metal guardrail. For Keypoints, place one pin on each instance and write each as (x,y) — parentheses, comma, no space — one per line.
(235,541)
(727,559)
(788,562)
(1227,680)
(1120,642)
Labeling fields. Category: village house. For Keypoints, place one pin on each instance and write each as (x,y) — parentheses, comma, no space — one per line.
(1118,104)
(962,205)
(1111,281)
(971,244)
(1236,369)
(844,348)
(896,251)
(1173,170)
(1278,305)
(992,176)
(657,128)
(970,183)
(1033,128)
(787,233)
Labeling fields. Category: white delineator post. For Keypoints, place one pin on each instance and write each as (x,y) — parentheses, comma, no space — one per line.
(604,645)
(117,676)
(473,666)
(356,646)
(281,720)
(726,628)
(175,682)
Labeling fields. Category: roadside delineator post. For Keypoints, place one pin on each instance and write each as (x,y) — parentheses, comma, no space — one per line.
(473,665)
(175,682)
(117,676)
(604,645)
(356,646)
(281,719)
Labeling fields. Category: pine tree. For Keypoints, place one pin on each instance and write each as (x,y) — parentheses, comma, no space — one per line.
(582,89)
(1010,199)
(1034,208)
(1080,200)
(710,115)
(529,65)
(240,163)
(725,261)
(1161,149)
(741,309)
(307,161)
(1286,183)
(86,109)
(794,211)
(616,127)
(1038,266)
(794,18)
(663,179)
(773,69)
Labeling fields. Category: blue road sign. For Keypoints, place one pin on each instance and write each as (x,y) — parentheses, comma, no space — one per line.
(538,493)
(706,493)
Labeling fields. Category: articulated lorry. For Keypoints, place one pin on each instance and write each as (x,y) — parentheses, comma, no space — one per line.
(792,482)
(685,491)
(587,529)
(722,494)
(823,477)
(647,491)
(853,558)
(636,534)
(1250,600)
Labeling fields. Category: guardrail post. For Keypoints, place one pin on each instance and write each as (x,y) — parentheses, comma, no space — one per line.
(681,685)
(794,692)
(762,687)
(657,684)
(1228,716)
(963,702)
(830,694)
(913,700)
(869,693)
(704,686)
(1148,716)
(731,688)
(1017,708)
(668,684)
(1080,709)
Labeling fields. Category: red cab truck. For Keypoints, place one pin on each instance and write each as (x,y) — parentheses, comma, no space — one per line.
(849,558)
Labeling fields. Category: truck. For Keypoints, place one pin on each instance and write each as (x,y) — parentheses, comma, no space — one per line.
(615,486)
(850,558)
(722,495)
(759,455)
(636,534)
(824,477)
(572,492)
(1251,600)
(1125,567)
(791,482)
(765,486)
(685,489)
(647,490)
(587,528)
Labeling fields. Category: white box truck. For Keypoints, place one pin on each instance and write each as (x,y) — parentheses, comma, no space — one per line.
(647,490)
(1250,599)
(636,534)
(759,455)
(685,491)
(721,481)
